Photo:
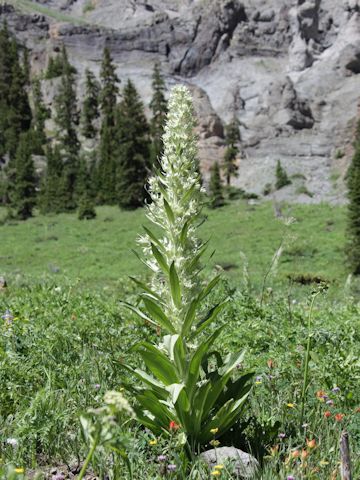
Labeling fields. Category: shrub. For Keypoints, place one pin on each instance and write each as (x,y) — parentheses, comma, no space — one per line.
(282,178)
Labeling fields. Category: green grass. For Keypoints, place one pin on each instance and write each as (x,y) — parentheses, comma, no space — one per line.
(31,7)
(99,252)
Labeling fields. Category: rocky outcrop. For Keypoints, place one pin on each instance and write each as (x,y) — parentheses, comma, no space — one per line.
(288,69)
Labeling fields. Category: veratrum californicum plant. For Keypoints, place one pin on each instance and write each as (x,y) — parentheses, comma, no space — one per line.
(179,384)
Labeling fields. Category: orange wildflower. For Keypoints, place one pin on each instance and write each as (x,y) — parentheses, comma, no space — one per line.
(173,425)
(311,443)
(327,414)
(339,417)
(304,454)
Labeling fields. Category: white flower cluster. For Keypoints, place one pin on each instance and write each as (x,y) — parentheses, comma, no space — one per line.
(175,192)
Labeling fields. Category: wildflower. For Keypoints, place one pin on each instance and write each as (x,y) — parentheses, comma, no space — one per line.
(311,443)
(12,441)
(171,467)
(295,454)
(97,386)
(214,443)
(214,431)
(290,405)
(153,442)
(339,417)
(330,402)
(19,470)
(118,402)
(173,425)
(274,450)
(216,473)
(323,463)
(282,435)
(304,454)
(219,467)
(270,363)
(161,458)
(290,477)
(8,317)
(59,476)
(321,394)
(336,390)
(327,414)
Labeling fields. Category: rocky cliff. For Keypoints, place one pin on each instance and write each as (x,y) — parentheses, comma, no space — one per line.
(288,69)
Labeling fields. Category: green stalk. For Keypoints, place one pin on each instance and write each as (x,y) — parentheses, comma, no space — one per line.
(307,360)
(88,460)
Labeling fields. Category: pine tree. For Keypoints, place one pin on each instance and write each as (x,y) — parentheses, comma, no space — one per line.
(107,146)
(353,225)
(67,119)
(158,106)
(57,66)
(282,178)
(40,115)
(134,147)
(90,110)
(51,196)
(232,139)
(15,112)
(215,187)
(86,209)
(24,194)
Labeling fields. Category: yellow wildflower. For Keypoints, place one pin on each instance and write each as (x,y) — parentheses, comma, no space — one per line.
(216,473)
(219,467)
(214,443)
(214,430)
(153,442)
(19,470)
(290,405)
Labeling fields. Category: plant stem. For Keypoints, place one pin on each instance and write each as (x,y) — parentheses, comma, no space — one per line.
(307,360)
(88,460)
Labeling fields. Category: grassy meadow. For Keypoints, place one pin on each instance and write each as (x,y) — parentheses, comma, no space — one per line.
(69,336)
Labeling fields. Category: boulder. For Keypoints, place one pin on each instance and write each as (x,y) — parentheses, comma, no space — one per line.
(245,465)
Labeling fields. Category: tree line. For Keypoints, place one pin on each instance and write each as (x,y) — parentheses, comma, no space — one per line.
(125,145)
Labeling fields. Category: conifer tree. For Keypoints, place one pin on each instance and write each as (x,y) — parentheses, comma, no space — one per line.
(67,119)
(134,147)
(24,193)
(232,135)
(107,146)
(158,106)
(86,209)
(51,196)
(353,225)
(15,112)
(282,178)
(90,109)
(215,187)
(40,115)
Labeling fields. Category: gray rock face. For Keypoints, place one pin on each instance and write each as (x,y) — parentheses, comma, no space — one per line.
(289,69)
(245,465)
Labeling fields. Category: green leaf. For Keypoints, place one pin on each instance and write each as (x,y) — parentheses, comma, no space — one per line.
(175,389)
(190,317)
(153,237)
(210,317)
(157,313)
(157,362)
(169,213)
(184,231)
(138,312)
(151,403)
(175,286)
(146,288)
(195,362)
(210,286)
(160,259)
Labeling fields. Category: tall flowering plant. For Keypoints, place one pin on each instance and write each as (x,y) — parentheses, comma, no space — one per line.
(180,384)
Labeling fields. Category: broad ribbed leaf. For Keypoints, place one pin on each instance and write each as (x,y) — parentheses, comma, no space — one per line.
(157,313)
(195,362)
(149,401)
(190,317)
(175,286)
(146,288)
(158,363)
